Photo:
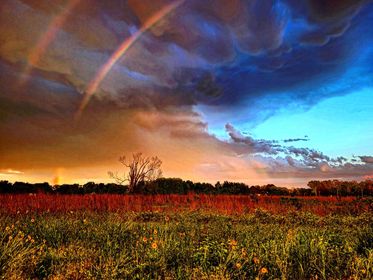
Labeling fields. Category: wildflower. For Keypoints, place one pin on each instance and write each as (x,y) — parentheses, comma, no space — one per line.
(167,218)
(232,243)
(7,228)
(144,239)
(263,270)
(256,260)
(238,265)
(243,252)
(290,234)
(154,245)
(155,232)
(32,220)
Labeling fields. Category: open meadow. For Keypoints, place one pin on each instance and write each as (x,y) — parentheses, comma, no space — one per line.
(185,237)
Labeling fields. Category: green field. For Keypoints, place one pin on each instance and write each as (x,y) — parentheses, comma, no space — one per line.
(191,245)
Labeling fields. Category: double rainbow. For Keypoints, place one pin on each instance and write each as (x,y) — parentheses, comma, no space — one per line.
(37,52)
(122,49)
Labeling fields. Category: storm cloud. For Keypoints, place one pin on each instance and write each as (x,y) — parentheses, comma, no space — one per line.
(231,58)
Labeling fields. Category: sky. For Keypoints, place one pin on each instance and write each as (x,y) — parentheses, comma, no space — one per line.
(254,91)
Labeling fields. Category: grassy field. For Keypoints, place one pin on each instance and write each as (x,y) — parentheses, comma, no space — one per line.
(182,243)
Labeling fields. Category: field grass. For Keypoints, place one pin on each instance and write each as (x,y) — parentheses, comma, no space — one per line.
(292,242)
(222,204)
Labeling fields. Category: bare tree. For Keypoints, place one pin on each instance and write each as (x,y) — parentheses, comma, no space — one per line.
(140,169)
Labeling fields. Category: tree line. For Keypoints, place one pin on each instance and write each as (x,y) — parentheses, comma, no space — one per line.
(179,186)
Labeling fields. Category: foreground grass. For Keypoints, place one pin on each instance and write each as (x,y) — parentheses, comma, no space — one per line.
(192,245)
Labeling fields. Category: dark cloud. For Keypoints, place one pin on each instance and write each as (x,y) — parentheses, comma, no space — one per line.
(290,160)
(240,52)
(295,140)
(244,58)
(253,145)
(326,10)
(366,159)
(297,161)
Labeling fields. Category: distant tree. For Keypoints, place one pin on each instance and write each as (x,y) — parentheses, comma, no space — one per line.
(5,187)
(218,186)
(69,189)
(167,186)
(315,186)
(140,169)
(233,188)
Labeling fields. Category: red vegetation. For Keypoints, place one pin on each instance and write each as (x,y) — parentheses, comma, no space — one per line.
(225,204)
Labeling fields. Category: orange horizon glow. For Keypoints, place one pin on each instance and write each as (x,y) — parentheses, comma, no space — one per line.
(121,50)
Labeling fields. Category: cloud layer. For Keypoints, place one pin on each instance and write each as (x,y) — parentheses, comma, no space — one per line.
(245,60)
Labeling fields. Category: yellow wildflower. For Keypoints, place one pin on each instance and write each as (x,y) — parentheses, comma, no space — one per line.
(243,252)
(256,260)
(238,265)
(263,270)
(154,245)
(144,239)
(232,243)
(155,232)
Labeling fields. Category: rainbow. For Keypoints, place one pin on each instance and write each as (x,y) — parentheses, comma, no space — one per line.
(37,52)
(121,50)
